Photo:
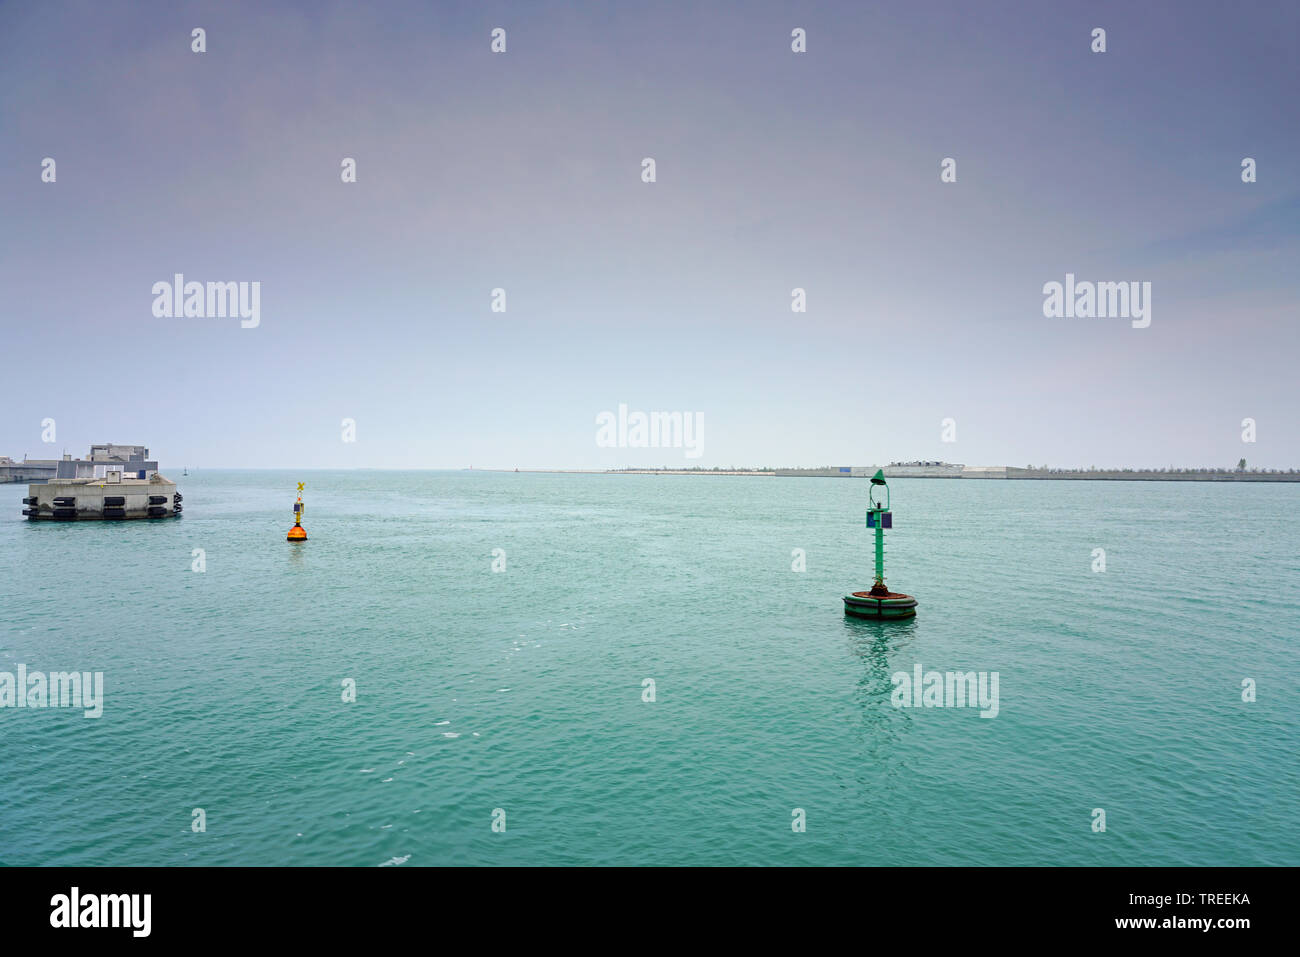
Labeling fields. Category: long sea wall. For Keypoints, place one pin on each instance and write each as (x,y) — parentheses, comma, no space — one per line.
(1011,472)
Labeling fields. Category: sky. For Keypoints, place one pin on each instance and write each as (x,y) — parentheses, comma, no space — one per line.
(924,335)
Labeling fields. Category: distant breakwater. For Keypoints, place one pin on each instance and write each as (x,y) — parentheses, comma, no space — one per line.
(968,472)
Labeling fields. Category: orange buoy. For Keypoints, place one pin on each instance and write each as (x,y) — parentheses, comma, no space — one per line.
(298,533)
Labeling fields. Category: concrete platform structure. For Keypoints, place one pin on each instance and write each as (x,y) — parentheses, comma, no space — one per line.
(112,497)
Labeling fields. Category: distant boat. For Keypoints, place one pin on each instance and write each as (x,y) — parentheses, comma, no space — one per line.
(185,471)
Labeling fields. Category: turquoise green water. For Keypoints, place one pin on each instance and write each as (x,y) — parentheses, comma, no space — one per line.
(522,690)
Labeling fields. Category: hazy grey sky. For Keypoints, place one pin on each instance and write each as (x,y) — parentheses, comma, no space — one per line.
(774,170)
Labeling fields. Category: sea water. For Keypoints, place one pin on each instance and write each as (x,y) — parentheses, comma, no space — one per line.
(630,669)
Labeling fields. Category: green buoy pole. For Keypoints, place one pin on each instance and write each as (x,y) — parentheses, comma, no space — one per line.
(876,513)
(880,553)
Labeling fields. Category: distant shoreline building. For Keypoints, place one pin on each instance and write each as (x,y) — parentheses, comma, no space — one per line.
(131,460)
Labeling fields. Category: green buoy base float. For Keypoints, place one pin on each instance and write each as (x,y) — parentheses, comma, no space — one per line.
(882,604)
(879,602)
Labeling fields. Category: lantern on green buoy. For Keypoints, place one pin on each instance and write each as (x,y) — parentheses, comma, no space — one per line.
(879,601)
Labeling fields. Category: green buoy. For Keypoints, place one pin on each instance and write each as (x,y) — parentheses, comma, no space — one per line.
(879,602)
